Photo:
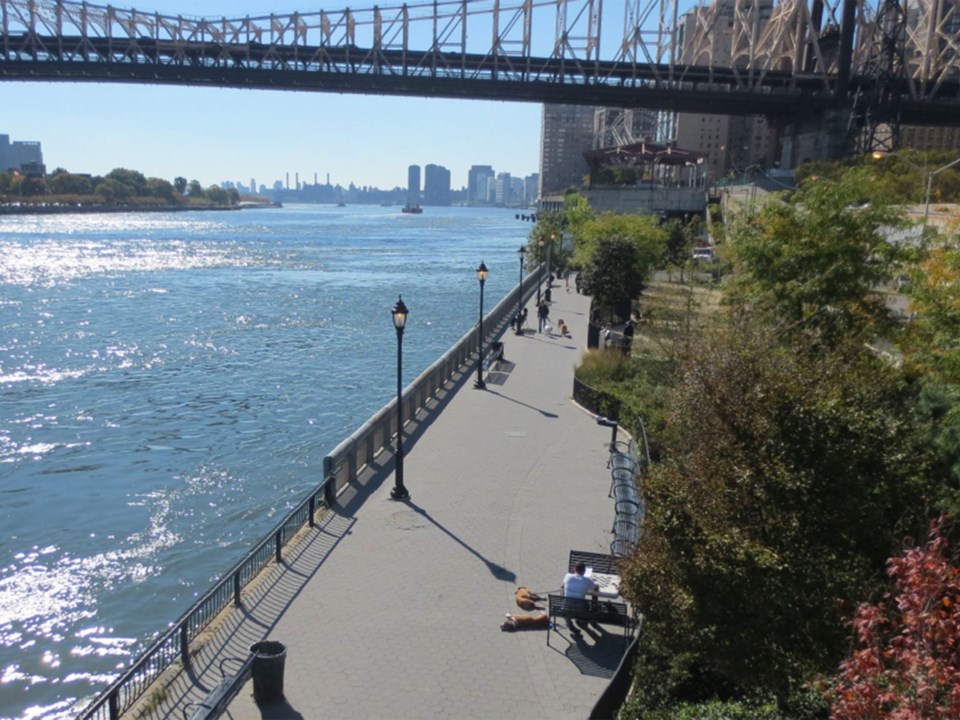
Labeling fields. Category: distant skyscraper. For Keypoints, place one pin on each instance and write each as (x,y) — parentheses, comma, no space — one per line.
(566,133)
(413,185)
(14,154)
(436,185)
(531,186)
(503,188)
(478,179)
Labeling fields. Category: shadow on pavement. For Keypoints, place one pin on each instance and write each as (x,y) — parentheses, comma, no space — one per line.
(501,573)
(599,659)
(279,711)
(542,412)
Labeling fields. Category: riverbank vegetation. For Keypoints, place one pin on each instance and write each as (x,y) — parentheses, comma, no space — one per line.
(120,188)
(798,555)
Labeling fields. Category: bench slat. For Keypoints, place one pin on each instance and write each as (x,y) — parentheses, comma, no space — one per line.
(605,564)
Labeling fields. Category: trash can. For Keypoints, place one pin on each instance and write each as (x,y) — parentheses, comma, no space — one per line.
(267,671)
(547,294)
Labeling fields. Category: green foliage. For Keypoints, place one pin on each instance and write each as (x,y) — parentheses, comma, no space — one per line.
(113,191)
(180,184)
(711,710)
(813,263)
(773,512)
(617,252)
(160,189)
(615,273)
(132,179)
(65,183)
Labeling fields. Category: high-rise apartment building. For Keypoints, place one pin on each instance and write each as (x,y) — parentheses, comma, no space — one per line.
(730,143)
(478,180)
(15,154)
(531,186)
(566,132)
(413,185)
(503,189)
(929,138)
(436,185)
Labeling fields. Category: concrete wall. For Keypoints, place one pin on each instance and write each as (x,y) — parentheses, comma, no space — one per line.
(647,200)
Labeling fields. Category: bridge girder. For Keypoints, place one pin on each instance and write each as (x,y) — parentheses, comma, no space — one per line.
(781,58)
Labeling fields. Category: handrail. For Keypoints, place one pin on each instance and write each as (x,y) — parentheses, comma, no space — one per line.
(340,467)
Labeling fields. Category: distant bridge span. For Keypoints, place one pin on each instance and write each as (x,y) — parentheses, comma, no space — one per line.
(788,61)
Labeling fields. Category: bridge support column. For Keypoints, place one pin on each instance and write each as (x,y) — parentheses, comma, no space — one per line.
(818,138)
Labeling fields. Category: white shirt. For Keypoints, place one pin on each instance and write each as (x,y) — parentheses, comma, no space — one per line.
(577,586)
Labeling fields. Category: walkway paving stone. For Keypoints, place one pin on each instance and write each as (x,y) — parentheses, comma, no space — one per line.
(392,610)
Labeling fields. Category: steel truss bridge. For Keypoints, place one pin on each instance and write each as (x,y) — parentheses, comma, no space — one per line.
(883,61)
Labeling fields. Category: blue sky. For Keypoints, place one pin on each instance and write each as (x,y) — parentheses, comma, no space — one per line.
(224,134)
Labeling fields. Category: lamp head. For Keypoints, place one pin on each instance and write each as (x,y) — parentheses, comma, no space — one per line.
(522,252)
(400,313)
(482,272)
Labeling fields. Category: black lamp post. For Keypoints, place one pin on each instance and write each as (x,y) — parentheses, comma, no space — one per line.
(400,313)
(539,271)
(482,277)
(520,253)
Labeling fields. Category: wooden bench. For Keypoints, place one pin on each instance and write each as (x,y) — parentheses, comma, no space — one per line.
(605,564)
(217,700)
(602,612)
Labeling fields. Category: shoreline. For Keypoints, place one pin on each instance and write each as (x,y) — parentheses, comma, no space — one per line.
(88,209)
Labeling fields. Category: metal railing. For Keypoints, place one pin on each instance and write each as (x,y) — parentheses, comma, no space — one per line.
(341,467)
(351,456)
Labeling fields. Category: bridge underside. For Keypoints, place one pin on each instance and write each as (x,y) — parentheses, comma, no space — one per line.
(780,107)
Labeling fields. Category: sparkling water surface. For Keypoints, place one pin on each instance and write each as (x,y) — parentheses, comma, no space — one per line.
(170,386)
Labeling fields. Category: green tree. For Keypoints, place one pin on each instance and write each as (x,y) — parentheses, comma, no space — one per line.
(643,231)
(64,183)
(113,191)
(788,479)
(615,274)
(195,189)
(814,262)
(162,189)
(216,194)
(131,178)
(180,184)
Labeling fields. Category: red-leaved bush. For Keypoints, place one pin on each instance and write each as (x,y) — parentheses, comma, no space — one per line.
(906,663)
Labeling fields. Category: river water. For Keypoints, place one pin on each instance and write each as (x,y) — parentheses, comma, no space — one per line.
(170,386)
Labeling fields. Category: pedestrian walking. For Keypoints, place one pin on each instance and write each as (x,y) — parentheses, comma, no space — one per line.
(543,312)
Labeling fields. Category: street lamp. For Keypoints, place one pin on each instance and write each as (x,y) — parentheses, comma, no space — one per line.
(520,253)
(926,205)
(400,313)
(482,277)
(539,269)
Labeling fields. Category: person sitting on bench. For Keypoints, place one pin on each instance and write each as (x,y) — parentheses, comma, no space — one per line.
(577,585)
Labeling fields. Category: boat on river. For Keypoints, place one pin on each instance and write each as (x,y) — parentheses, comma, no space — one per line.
(412,209)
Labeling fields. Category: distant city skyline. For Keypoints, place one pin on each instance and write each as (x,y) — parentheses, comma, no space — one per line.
(214,134)
(198,133)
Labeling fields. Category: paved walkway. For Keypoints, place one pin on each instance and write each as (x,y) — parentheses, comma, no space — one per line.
(392,610)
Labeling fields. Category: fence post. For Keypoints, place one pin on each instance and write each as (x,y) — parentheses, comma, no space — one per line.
(184,644)
(278,541)
(236,589)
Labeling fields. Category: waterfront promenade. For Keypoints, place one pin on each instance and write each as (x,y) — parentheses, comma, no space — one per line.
(392,609)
